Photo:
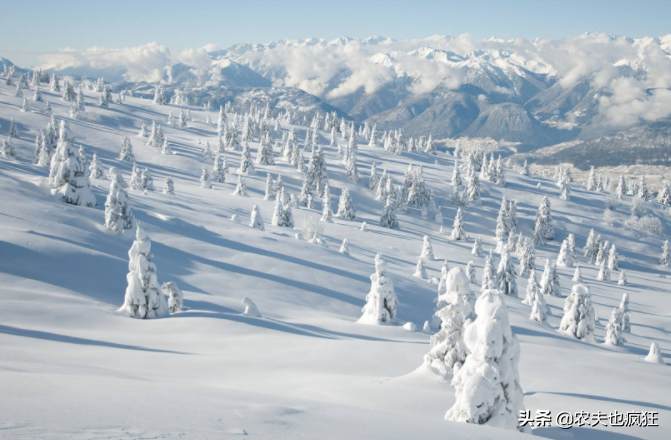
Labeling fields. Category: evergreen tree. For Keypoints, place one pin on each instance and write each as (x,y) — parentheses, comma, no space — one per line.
(470,271)
(589,251)
(539,308)
(388,217)
(487,386)
(257,220)
(604,273)
(7,150)
(327,212)
(666,255)
(118,213)
(458,227)
(532,288)
(427,249)
(527,257)
(565,259)
(477,247)
(577,275)
(68,177)
(420,271)
(550,280)
(126,153)
(612,259)
(502,226)
(488,277)
(241,187)
(543,230)
(344,247)
(505,275)
(578,319)
(614,329)
(373,180)
(175,296)
(381,301)
(345,206)
(95,171)
(169,187)
(218,173)
(246,165)
(525,169)
(144,298)
(166,149)
(205,179)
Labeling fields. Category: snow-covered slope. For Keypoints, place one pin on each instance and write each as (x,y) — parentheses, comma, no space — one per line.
(73,367)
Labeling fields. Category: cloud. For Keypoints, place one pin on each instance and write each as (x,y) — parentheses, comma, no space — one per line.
(632,75)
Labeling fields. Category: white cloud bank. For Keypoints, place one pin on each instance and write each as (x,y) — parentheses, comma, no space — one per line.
(634,75)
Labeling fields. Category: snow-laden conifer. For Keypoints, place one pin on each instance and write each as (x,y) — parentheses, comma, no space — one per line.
(420,270)
(477,247)
(68,176)
(241,187)
(577,275)
(95,170)
(614,328)
(381,301)
(427,249)
(175,296)
(458,227)
(550,280)
(205,179)
(454,312)
(344,247)
(506,277)
(257,220)
(487,386)
(544,230)
(345,206)
(169,187)
(578,320)
(144,298)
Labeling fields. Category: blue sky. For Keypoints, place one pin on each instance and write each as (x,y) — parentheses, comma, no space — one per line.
(32,28)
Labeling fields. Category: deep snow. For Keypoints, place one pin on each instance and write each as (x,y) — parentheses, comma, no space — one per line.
(71,366)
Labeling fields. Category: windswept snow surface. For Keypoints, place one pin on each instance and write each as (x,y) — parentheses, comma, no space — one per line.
(73,367)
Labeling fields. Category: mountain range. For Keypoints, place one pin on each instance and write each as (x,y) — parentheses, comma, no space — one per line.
(526,94)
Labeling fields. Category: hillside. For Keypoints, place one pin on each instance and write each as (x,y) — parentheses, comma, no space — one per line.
(74,367)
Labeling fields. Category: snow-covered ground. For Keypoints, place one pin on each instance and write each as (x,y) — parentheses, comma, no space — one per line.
(72,367)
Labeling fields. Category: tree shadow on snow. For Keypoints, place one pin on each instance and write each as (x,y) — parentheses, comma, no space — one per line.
(55,337)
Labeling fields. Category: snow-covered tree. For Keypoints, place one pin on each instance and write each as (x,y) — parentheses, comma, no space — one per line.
(532,288)
(327,212)
(143,130)
(345,206)
(175,296)
(578,319)
(166,149)
(487,386)
(344,247)
(374,178)
(527,257)
(454,311)
(68,177)
(577,275)
(7,150)
(13,129)
(427,249)
(565,259)
(241,187)
(388,217)
(257,220)
(550,280)
(147,181)
(456,176)
(589,251)
(612,259)
(654,355)
(591,181)
(614,328)
(506,277)
(525,169)
(604,273)
(126,153)
(477,247)
(666,255)
(218,171)
(470,271)
(381,301)
(624,309)
(205,179)
(118,213)
(488,273)
(473,191)
(144,298)
(420,270)
(169,187)
(502,226)
(544,230)
(95,170)
(539,308)
(458,227)
(246,164)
